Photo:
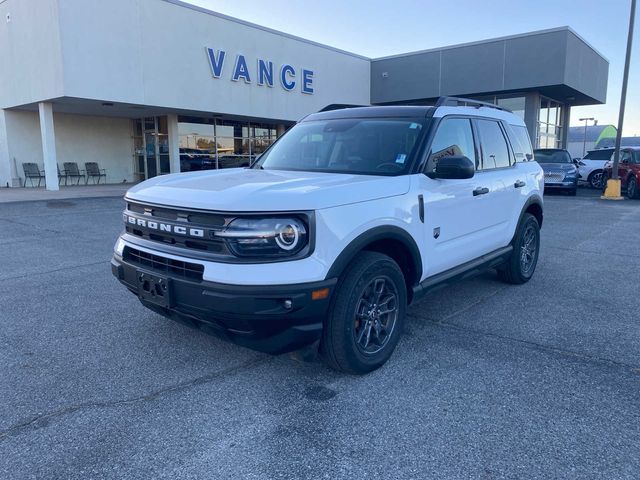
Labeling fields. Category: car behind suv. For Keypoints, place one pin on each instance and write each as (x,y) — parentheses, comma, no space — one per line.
(591,167)
(343,221)
(628,171)
(560,173)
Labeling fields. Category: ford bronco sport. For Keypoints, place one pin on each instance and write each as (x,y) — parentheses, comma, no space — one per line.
(344,221)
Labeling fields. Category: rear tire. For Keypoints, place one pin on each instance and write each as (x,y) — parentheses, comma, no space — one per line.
(632,188)
(366,317)
(524,258)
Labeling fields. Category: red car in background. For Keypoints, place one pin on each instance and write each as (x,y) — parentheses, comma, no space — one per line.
(628,171)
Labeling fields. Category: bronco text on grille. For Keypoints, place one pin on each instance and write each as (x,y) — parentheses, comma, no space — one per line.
(193,230)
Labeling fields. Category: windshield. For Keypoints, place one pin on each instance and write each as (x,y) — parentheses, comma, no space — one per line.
(369,146)
(604,154)
(552,156)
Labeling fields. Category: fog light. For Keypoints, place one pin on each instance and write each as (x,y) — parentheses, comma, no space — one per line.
(287,304)
(320,294)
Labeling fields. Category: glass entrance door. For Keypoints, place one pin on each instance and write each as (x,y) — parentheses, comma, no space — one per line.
(151,147)
(151,159)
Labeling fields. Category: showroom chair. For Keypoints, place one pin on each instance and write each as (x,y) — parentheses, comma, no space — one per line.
(73,172)
(31,171)
(62,174)
(94,171)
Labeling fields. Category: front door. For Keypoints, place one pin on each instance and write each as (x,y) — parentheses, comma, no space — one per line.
(459,215)
(623,166)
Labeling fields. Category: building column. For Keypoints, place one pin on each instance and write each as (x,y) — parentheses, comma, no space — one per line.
(531,114)
(5,160)
(280,129)
(566,115)
(45,109)
(174,143)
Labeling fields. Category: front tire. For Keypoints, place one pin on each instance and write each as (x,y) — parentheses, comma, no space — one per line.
(595,179)
(366,317)
(632,188)
(524,258)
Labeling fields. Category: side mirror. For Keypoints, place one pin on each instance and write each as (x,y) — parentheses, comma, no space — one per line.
(457,167)
(576,161)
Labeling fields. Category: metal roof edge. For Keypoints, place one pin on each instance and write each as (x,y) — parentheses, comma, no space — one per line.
(493,40)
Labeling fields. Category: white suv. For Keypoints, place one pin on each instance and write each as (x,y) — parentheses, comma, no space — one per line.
(591,167)
(341,223)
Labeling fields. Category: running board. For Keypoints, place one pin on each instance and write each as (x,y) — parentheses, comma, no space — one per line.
(462,272)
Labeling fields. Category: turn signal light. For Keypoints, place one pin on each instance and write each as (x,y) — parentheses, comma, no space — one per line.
(320,294)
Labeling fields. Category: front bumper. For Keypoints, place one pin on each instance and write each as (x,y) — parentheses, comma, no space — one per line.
(257,317)
(571,183)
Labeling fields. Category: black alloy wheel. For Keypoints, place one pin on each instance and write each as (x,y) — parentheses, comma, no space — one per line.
(521,265)
(366,316)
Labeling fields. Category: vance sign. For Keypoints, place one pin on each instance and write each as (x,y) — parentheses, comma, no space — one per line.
(264,73)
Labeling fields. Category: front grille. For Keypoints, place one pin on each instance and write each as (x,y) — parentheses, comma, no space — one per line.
(207,222)
(553,176)
(191,271)
(166,213)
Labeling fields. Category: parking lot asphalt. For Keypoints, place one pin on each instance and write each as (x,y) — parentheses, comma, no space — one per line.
(489,381)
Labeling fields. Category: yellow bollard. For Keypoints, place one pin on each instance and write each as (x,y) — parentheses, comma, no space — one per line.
(613,190)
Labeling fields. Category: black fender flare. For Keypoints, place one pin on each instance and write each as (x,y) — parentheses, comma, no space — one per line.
(532,200)
(385,232)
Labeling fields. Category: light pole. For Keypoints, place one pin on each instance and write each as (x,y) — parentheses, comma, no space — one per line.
(584,142)
(614,188)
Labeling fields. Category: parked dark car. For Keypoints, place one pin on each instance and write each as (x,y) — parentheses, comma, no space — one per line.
(560,172)
(193,159)
(628,171)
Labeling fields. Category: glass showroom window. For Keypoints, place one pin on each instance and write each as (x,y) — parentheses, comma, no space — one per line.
(515,104)
(227,143)
(550,124)
(262,137)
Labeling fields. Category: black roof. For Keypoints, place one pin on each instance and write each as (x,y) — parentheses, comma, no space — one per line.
(396,111)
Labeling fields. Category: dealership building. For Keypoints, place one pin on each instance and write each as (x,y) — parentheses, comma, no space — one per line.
(134,84)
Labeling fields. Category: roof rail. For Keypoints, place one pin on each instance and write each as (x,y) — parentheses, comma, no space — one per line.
(338,106)
(463,102)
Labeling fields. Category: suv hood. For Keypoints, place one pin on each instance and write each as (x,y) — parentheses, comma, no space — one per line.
(249,190)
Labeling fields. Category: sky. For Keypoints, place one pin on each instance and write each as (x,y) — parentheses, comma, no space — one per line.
(377,28)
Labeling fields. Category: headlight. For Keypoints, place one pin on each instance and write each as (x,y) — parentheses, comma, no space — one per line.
(276,237)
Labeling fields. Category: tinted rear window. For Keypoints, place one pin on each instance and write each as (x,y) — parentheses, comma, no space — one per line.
(604,154)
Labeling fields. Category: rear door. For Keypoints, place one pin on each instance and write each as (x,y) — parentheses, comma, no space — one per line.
(459,215)
(498,168)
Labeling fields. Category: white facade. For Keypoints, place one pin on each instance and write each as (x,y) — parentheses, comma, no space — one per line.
(102,64)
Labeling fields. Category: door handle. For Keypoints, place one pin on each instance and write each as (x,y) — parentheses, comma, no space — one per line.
(519,184)
(480,191)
